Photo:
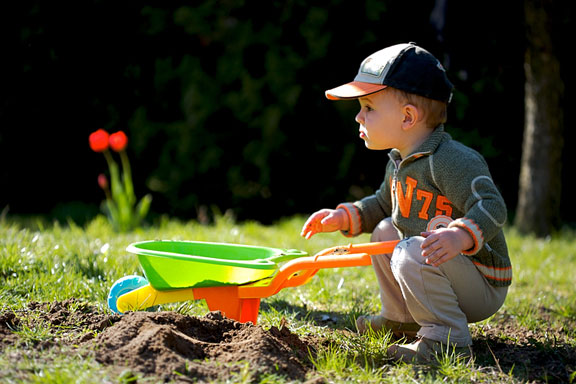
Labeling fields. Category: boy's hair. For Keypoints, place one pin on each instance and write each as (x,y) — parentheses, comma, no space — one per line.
(434,112)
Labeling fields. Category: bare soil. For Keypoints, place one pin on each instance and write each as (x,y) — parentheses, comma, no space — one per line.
(167,345)
(170,346)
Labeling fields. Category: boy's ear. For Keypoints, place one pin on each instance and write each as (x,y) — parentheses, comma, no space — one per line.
(411,115)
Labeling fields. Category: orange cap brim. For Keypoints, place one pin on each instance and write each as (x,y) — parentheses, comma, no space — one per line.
(353,90)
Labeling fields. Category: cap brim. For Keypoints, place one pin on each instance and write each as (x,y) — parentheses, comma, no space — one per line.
(353,90)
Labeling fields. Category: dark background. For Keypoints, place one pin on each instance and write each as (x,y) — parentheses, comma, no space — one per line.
(223,101)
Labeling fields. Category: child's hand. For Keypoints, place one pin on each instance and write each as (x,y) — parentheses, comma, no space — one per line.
(445,244)
(325,220)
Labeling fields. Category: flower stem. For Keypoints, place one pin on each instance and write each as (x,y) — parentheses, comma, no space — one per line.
(127,178)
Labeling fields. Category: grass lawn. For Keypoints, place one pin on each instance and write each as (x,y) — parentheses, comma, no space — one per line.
(531,339)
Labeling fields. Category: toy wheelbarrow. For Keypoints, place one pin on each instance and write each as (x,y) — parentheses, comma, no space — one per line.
(231,278)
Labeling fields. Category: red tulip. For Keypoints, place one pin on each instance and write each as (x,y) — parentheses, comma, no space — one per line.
(99,140)
(118,141)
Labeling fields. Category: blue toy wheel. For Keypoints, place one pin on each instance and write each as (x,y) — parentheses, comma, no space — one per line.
(123,286)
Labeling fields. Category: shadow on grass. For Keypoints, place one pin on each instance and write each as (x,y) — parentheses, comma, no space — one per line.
(332,319)
(527,359)
(544,356)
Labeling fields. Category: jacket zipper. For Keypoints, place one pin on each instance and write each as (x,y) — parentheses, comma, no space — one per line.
(397,165)
(394,183)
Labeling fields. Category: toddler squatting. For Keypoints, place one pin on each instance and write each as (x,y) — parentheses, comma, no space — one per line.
(451,266)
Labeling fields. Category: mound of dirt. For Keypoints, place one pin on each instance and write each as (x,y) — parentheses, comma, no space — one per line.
(163,345)
(172,346)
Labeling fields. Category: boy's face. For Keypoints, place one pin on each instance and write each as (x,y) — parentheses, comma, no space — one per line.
(380,120)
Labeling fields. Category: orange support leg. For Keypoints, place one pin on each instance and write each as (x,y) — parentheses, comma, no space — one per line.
(226,299)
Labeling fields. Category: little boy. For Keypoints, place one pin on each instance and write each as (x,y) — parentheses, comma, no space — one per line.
(451,266)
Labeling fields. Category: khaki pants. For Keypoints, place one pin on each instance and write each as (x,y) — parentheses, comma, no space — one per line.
(442,300)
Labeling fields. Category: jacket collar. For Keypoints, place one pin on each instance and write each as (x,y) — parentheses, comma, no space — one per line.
(426,148)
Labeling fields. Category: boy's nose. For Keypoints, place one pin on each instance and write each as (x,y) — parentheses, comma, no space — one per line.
(360,118)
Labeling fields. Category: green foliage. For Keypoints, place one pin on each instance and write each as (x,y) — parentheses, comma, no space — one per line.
(124,212)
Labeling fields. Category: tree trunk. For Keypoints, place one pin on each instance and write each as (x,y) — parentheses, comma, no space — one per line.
(538,210)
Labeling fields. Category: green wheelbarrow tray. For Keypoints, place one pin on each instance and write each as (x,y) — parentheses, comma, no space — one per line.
(170,264)
(220,274)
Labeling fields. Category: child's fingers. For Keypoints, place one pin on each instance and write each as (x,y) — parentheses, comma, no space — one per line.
(429,239)
(306,233)
(325,220)
(307,226)
(313,225)
(311,230)
(304,230)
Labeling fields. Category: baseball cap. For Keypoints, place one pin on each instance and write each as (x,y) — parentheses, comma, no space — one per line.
(407,67)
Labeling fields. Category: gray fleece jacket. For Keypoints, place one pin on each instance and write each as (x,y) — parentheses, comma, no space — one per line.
(443,183)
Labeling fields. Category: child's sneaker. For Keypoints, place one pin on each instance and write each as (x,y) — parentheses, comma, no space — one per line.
(378,323)
(426,351)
